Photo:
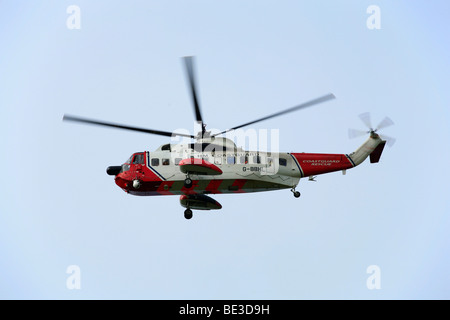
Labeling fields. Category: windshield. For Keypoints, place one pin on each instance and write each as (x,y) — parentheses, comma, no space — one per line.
(129,160)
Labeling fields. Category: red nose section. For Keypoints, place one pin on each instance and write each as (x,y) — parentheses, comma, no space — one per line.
(121,182)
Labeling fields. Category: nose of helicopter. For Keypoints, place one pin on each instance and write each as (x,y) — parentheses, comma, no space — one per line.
(121,182)
(119,178)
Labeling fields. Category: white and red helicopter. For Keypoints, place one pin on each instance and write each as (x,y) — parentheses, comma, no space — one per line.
(215,165)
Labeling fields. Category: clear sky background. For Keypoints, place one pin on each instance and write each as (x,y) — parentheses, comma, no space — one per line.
(59,208)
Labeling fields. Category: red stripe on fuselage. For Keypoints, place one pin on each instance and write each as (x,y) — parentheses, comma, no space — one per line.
(319,163)
(239,183)
(191,189)
(164,188)
(213,186)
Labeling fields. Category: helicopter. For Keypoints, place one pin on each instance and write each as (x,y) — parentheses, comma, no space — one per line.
(210,164)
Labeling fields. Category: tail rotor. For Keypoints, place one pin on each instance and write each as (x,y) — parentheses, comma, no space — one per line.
(366,119)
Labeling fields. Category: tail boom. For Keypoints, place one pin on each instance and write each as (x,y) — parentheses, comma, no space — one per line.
(311,164)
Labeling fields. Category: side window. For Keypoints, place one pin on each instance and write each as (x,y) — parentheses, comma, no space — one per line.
(269,161)
(243,159)
(177,161)
(256,159)
(283,162)
(217,160)
(231,160)
(205,158)
(165,162)
(155,162)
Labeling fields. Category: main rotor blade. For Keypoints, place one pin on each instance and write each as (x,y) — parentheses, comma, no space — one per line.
(301,106)
(189,63)
(121,126)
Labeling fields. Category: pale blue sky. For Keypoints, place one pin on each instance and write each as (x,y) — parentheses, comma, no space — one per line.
(59,207)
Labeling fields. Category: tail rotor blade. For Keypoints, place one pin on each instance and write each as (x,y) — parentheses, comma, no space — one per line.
(389,140)
(386,122)
(354,133)
(365,117)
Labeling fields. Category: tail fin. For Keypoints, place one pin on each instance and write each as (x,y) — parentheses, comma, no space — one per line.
(376,154)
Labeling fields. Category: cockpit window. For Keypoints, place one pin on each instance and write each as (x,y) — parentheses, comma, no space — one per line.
(138,159)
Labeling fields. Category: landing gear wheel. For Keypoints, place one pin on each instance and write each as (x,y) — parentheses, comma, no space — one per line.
(188,183)
(295,193)
(188,214)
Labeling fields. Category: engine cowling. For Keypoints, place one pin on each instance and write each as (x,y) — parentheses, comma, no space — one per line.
(199,202)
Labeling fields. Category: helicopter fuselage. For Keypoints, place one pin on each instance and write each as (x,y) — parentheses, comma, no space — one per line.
(159,172)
